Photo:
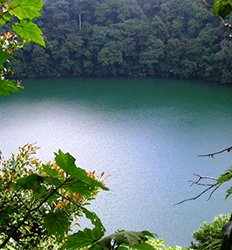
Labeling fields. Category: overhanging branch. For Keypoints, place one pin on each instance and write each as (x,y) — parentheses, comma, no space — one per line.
(202,181)
(211,155)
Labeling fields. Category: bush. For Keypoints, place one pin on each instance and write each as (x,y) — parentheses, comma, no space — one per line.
(209,236)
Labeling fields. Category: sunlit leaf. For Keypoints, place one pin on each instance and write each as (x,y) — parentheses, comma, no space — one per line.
(87,237)
(225,177)
(127,238)
(99,229)
(26,9)
(222,7)
(29,31)
(228,192)
(4,56)
(8,86)
(4,18)
(67,163)
(143,246)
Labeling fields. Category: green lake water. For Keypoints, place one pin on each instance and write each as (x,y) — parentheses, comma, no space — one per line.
(144,133)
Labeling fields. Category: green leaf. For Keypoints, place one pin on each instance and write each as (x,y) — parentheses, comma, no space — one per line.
(143,246)
(49,171)
(29,32)
(26,9)
(78,187)
(127,238)
(225,177)
(99,229)
(80,240)
(87,237)
(5,17)
(32,182)
(67,163)
(4,56)
(228,192)
(57,224)
(4,1)
(222,7)
(8,86)
(26,182)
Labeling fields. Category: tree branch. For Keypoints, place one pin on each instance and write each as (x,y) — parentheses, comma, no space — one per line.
(209,186)
(226,24)
(207,4)
(211,155)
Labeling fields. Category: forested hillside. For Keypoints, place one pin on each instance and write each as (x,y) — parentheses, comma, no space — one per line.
(173,38)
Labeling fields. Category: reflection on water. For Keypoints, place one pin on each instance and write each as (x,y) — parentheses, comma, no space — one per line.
(145,134)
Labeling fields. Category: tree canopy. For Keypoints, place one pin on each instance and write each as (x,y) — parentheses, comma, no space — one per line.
(170,38)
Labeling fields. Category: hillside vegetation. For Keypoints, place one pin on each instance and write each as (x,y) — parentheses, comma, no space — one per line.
(171,38)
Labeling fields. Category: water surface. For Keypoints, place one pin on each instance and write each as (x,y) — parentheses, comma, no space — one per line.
(145,134)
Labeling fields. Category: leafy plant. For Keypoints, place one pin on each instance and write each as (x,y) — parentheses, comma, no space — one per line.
(18,18)
(40,201)
(210,236)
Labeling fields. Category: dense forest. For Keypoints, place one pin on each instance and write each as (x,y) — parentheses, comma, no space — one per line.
(170,38)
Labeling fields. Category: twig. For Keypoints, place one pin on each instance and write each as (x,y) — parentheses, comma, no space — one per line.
(207,4)
(198,196)
(211,155)
(216,187)
(209,186)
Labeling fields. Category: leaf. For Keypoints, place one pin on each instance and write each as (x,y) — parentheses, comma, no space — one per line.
(80,240)
(228,192)
(225,177)
(222,7)
(32,182)
(26,9)
(57,224)
(87,237)
(143,246)
(4,56)
(8,86)
(78,187)
(5,17)
(128,238)
(67,163)
(26,182)
(49,171)
(99,229)
(29,31)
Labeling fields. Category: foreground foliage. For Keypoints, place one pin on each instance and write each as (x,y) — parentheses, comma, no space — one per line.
(17,18)
(210,236)
(41,203)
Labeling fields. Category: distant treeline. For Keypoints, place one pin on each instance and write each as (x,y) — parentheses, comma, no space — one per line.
(171,38)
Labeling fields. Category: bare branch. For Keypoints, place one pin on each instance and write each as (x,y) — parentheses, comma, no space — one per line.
(209,186)
(215,186)
(211,155)
(207,4)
